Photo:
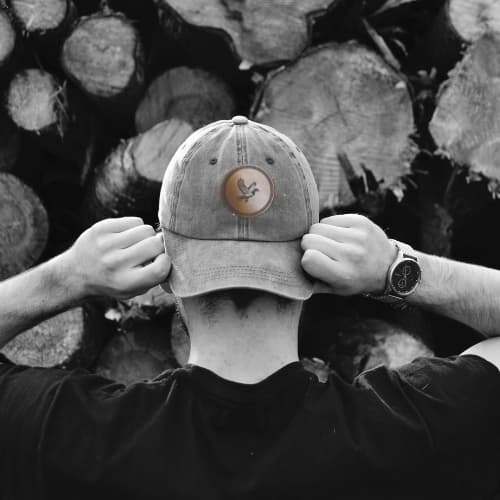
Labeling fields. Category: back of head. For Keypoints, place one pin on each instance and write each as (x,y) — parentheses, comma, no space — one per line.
(236,199)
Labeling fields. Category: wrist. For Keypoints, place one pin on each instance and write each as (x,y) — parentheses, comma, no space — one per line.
(65,278)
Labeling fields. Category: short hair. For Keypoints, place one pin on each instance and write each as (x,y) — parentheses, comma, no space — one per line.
(242,298)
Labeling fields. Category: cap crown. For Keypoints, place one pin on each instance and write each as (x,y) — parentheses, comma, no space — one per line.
(238,180)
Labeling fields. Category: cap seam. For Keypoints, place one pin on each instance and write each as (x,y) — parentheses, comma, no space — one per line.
(228,239)
(299,171)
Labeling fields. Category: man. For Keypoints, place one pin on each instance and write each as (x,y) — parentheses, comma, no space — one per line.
(238,212)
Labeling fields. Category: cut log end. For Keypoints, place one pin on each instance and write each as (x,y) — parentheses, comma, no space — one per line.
(355,106)
(7,37)
(194,96)
(471,19)
(34,100)
(38,16)
(261,33)
(69,339)
(23,226)
(103,55)
(466,123)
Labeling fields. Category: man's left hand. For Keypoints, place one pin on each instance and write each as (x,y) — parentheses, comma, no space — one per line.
(349,254)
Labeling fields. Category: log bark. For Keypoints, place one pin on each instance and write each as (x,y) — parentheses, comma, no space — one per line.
(48,110)
(343,100)
(24,226)
(103,56)
(69,340)
(7,38)
(466,123)
(136,355)
(129,182)
(459,23)
(194,96)
(10,143)
(260,33)
(46,21)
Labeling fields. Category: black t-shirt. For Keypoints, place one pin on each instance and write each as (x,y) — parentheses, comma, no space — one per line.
(428,430)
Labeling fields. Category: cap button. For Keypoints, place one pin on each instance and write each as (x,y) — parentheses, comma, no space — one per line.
(239,120)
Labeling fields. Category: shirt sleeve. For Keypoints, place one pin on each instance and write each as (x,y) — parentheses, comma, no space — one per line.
(450,407)
(27,400)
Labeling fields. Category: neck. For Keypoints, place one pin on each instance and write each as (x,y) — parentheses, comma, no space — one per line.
(242,346)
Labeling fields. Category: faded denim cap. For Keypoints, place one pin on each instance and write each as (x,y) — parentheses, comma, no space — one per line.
(236,199)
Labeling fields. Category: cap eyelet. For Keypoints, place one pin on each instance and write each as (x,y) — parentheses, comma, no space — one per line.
(213,161)
(270,161)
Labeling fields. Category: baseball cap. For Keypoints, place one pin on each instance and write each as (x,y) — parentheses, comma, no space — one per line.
(236,199)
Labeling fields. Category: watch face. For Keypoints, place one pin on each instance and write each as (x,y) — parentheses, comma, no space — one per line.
(405,277)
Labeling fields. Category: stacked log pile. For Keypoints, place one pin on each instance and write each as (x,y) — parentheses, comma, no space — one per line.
(394,102)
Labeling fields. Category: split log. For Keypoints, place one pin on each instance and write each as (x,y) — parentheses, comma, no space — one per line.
(7,38)
(69,340)
(194,96)
(460,23)
(466,123)
(368,343)
(24,226)
(40,105)
(136,355)
(179,340)
(343,100)
(129,182)
(260,33)
(103,55)
(10,142)
(46,21)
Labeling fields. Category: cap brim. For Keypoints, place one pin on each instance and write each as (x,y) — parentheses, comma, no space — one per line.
(203,266)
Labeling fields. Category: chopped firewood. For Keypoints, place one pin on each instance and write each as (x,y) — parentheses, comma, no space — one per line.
(367,343)
(42,106)
(192,95)
(354,105)
(136,355)
(103,55)
(24,226)
(460,23)
(260,33)
(10,142)
(7,37)
(466,124)
(129,182)
(69,340)
(43,19)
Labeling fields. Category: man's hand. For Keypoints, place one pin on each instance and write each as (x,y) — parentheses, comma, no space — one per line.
(349,253)
(118,258)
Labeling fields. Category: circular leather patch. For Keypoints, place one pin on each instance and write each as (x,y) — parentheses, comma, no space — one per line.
(248,191)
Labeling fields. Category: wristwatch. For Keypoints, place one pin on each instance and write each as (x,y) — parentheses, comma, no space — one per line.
(403,277)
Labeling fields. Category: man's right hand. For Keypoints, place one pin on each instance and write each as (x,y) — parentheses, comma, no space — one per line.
(118,258)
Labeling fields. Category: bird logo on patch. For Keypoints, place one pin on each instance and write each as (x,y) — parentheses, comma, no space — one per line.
(247,192)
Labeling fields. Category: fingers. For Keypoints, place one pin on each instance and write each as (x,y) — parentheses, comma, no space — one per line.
(324,245)
(152,274)
(133,236)
(321,267)
(118,224)
(143,251)
(337,233)
(346,220)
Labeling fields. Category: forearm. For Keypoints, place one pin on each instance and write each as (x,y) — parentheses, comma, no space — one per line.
(464,292)
(35,295)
